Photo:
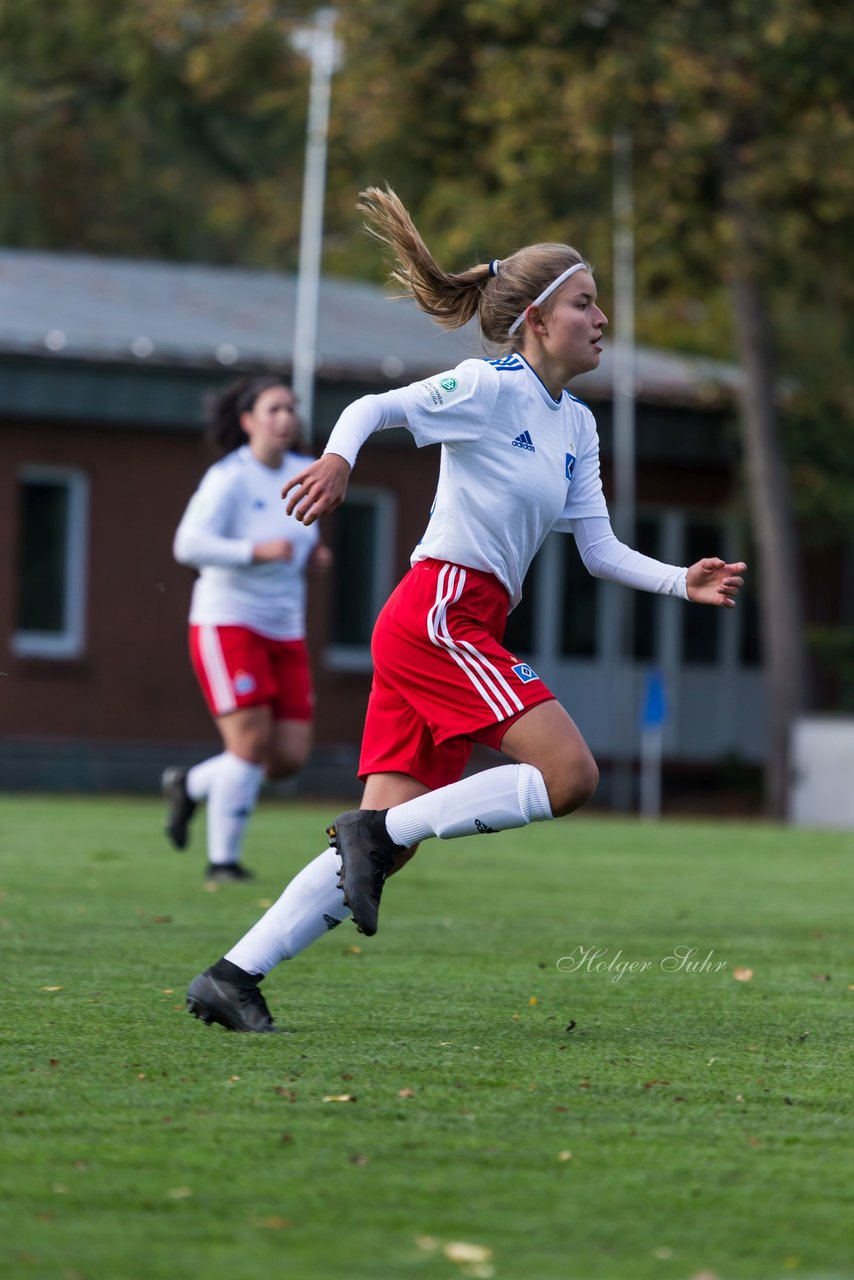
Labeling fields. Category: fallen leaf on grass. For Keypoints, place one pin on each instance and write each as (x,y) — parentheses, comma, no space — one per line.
(663,1252)
(272,1224)
(406,1093)
(821,977)
(340,1097)
(168,991)
(264,903)
(427,1243)
(179,1193)
(462,1251)
(649,1083)
(50,988)
(742,975)
(161,919)
(533,1000)
(359,1158)
(564,1155)
(285,1093)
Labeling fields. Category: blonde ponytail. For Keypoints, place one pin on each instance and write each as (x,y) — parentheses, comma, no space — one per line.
(497,295)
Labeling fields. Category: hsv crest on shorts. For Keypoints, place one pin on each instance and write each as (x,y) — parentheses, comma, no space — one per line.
(524,672)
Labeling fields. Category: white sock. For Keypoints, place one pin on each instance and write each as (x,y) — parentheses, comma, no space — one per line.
(511,795)
(310,906)
(200,777)
(233,792)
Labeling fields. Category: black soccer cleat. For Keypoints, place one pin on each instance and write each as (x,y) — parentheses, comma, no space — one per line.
(367,857)
(228,873)
(181,806)
(230,997)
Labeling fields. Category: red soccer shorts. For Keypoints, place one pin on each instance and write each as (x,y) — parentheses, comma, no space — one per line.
(442,679)
(237,667)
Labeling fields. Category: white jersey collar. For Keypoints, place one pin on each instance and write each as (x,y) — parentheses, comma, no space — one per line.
(546,395)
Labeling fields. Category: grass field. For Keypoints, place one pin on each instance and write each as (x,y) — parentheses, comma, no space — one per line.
(562,1120)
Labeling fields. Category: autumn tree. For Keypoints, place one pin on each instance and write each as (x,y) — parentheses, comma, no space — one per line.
(739,117)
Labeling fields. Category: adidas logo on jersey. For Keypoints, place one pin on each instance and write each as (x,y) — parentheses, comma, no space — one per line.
(524,441)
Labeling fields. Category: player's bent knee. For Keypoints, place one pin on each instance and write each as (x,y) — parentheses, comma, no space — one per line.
(573,786)
(281,767)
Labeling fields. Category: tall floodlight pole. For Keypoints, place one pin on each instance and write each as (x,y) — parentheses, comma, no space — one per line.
(319,43)
(624,457)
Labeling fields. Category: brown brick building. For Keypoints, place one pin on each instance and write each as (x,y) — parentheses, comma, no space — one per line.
(103,369)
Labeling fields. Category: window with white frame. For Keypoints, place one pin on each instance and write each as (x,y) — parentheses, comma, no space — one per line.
(50,604)
(363,547)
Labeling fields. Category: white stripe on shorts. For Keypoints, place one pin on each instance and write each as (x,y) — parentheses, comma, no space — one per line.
(216,671)
(493,688)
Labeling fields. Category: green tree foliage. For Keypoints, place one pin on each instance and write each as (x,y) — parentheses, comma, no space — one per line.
(151,128)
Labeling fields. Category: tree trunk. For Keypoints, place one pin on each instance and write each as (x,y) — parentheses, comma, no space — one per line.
(778,572)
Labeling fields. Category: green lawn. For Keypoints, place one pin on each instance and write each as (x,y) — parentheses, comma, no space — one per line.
(564,1122)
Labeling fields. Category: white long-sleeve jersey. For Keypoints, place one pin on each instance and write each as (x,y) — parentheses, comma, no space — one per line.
(515,464)
(237,505)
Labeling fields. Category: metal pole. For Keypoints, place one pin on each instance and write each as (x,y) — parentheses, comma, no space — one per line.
(321,48)
(624,460)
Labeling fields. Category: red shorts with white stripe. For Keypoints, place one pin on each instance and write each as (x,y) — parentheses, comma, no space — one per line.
(442,679)
(237,667)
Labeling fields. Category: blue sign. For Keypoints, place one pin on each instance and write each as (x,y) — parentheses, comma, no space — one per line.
(655,701)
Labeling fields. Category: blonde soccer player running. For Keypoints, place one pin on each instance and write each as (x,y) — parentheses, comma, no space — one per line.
(519,458)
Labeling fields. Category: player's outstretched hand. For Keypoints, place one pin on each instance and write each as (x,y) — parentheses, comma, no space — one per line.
(319,488)
(714,582)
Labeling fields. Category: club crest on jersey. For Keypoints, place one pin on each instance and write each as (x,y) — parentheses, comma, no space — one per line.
(244,682)
(525,673)
(570,466)
(524,441)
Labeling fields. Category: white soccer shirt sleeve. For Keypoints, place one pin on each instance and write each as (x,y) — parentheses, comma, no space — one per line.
(606,557)
(202,536)
(452,406)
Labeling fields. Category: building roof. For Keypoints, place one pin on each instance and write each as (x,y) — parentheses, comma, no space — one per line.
(77,307)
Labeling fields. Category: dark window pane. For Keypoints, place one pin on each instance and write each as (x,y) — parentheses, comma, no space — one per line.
(579,605)
(750,652)
(41,566)
(701,630)
(355,550)
(646,612)
(519,636)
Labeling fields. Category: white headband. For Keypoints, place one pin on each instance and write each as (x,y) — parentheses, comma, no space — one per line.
(555,284)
